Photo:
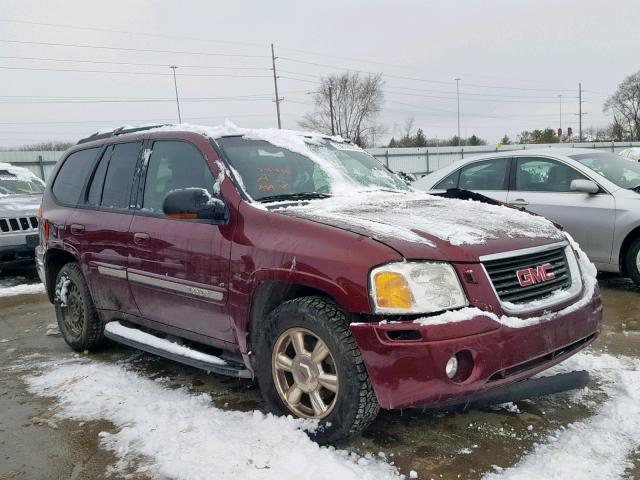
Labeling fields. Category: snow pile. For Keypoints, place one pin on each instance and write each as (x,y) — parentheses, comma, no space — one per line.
(21,173)
(600,446)
(174,434)
(21,289)
(589,280)
(147,339)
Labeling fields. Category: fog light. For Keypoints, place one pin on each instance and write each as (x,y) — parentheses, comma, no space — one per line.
(452,367)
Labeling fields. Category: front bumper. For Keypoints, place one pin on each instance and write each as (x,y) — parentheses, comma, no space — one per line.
(16,255)
(410,373)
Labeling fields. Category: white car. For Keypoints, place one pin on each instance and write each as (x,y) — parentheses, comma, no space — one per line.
(20,196)
(594,195)
(632,154)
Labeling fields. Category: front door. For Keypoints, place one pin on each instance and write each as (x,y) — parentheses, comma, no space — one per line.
(487,177)
(543,186)
(179,268)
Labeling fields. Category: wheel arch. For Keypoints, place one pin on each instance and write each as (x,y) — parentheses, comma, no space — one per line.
(54,260)
(628,240)
(268,294)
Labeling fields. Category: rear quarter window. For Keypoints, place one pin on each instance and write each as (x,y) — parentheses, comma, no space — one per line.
(72,176)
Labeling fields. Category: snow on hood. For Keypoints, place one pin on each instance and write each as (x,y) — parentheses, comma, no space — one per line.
(19,205)
(420,217)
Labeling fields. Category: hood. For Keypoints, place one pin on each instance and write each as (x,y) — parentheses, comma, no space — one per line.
(423,226)
(19,205)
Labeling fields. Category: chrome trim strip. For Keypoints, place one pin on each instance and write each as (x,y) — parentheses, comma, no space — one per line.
(112,272)
(523,251)
(175,286)
(572,292)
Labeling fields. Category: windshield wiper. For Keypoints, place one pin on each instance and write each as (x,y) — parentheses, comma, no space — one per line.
(294,196)
(636,188)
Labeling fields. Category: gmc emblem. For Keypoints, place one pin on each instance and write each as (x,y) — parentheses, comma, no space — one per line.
(533,275)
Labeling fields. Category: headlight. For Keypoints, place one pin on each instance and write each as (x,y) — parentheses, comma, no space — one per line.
(415,287)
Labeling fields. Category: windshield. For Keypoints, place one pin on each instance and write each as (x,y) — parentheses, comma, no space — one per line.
(11,184)
(622,172)
(266,170)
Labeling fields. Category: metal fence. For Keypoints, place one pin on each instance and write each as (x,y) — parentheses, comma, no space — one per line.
(418,161)
(421,161)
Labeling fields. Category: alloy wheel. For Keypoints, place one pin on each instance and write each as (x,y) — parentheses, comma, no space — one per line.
(304,373)
(72,311)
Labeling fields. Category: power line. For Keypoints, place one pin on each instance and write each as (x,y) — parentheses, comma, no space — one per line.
(131,49)
(121,72)
(105,62)
(402,77)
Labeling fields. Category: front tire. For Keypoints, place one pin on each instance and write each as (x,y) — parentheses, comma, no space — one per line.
(632,261)
(309,366)
(76,313)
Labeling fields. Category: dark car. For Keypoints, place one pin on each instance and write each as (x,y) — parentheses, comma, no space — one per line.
(301,261)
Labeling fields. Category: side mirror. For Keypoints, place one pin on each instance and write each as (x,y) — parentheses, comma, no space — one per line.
(584,186)
(195,204)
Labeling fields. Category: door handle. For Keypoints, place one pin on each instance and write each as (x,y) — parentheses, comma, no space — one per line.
(141,238)
(77,229)
(519,202)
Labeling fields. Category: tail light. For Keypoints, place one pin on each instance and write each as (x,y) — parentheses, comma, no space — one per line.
(43,227)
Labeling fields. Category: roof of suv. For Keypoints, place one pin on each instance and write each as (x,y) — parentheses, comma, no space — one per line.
(219,131)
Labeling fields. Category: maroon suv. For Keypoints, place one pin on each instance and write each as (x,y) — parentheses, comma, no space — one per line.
(300,260)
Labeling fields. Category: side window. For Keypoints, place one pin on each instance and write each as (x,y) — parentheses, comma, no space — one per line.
(94,195)
(172,166)
(536,174)
(73,175)
(485,175)
(450,181)
(116,191)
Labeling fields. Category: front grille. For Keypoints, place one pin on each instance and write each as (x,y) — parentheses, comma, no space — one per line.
(503,275)
(20,224)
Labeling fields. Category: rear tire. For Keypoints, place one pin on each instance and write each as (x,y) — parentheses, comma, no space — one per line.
(76,313)
(340,382)
(632,261)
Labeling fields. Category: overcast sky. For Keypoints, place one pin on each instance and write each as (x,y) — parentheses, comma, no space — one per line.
(514,59)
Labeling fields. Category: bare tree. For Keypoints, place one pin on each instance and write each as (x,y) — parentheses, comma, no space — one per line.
(624,105)
(356,100)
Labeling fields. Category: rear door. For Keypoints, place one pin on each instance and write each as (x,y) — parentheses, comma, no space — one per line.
(179,268)
(100,227)
(543,185)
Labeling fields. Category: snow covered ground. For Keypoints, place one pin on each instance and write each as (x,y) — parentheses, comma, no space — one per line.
(10,286)
(176,434)
(172,433)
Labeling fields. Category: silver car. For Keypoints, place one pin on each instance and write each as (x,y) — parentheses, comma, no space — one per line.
(595,195)
(20,196)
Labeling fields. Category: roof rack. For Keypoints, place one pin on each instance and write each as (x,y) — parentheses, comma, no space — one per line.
(118,131)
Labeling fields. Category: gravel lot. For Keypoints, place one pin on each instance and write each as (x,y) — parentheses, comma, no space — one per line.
(533,439)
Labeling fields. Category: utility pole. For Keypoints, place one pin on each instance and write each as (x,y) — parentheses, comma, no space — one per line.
(275,84)
(580,111)
(458,94)
(560,139)
(333,131)
(175,84)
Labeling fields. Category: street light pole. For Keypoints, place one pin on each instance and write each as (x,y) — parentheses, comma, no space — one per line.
(560,130)
(175,84)
(458,94)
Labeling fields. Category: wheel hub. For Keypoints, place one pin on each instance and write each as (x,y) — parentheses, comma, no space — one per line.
(305,373)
